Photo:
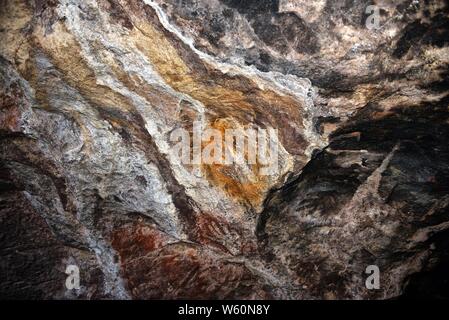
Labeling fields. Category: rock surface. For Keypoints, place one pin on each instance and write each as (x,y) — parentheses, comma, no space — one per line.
(92,90)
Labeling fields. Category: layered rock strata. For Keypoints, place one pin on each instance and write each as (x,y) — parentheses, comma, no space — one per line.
(92,91)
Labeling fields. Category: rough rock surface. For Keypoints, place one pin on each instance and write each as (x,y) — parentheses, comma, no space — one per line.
(90,92)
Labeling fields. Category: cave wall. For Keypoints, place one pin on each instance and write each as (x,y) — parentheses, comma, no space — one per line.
(92,90)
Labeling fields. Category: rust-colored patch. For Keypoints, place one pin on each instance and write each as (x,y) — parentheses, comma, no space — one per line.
(185,271)
(244,191)
(137,239)
(215,231)
(10,114)
(229,179)
(222,94)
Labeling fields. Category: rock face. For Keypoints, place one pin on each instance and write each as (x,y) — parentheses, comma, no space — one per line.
(92,91)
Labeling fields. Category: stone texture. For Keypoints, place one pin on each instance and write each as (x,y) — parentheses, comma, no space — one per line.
(91,91)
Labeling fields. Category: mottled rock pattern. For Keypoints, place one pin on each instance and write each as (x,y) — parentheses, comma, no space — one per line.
(91,90)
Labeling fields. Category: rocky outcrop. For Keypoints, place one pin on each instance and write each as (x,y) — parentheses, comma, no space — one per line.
(92,92)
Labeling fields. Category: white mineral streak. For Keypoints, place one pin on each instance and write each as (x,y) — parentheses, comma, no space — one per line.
(60,221)
(288,84)
(114,162)
(113,283)
(370,188)
(159,125)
